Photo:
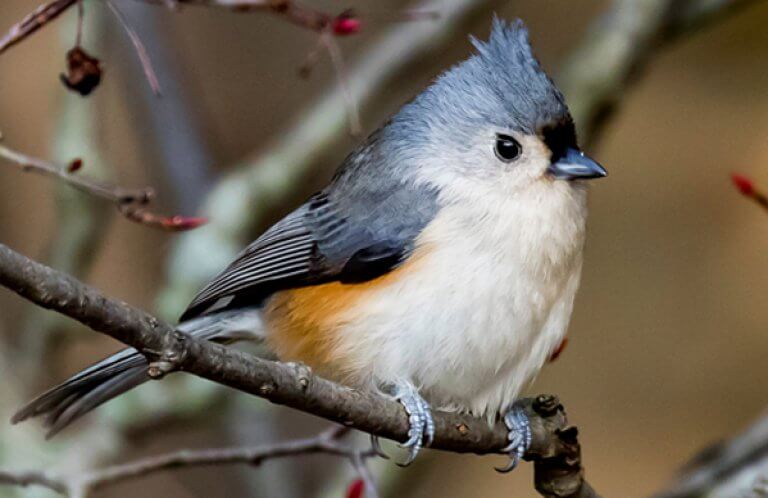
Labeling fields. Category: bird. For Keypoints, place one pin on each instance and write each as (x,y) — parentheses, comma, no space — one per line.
(439,266)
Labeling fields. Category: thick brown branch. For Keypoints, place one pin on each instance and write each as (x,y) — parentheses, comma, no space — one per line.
(554,445)
(131,203)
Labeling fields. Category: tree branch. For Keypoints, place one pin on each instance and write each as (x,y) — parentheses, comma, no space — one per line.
(141,50)
(40,17)
(78,485)
(735,468)
(291,11)
(618,49)
(33,478)
(130,203)
(555,448)
(85,73)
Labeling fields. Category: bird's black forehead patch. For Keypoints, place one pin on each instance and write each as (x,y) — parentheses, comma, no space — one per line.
(559,136)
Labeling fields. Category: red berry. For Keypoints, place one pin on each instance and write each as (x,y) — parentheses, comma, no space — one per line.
(356,489)
(183,223)
(75,165)
(743,183)
(346,25)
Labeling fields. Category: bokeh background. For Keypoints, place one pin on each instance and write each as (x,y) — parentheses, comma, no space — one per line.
(668,340)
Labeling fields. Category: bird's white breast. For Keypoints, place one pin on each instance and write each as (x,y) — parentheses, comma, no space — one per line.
(489,301)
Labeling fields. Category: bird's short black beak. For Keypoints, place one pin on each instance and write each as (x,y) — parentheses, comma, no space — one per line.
(575,165)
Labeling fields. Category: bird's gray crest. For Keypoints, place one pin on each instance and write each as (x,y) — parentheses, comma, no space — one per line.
(502,84)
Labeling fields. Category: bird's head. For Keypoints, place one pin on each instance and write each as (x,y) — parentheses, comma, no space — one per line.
(496,120)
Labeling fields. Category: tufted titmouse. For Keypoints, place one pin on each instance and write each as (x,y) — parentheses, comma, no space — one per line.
(439,265)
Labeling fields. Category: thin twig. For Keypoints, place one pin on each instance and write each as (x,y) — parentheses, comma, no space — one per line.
(326,38)
(131,203)
(327,443)
(141,50)
(105,191)
(325,24)
(326,41)
(747,188)
(358,461)
(33,478)
(291,11)
(734,468)
(80,20)
(618,49)
(39,18)
(300,15)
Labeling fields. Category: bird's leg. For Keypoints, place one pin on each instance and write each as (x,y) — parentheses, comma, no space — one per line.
(519,437)
(421,430)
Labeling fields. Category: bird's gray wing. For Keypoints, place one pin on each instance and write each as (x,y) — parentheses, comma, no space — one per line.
(337,236)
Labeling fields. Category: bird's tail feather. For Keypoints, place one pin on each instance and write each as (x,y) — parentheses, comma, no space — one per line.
(127,369)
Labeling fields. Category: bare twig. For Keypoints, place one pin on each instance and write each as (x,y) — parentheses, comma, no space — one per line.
(130,202)
(41,16)
(359,463)
(80,20)
(554,445)
(618,49)
(141,51)
(326,25)
(293,12)
(326,40)
(33,478)
(747,188)
(327,442)
(185,156)
(732,468)
(68,173)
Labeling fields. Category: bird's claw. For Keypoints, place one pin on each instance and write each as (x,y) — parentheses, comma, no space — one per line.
(519,436)
(421,429)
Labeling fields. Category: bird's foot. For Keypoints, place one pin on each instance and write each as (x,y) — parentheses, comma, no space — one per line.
(421,429)
(519,436)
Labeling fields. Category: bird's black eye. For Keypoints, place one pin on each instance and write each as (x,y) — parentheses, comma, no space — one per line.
(507,148)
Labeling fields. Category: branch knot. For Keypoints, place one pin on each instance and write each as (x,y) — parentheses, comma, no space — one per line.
(170,359)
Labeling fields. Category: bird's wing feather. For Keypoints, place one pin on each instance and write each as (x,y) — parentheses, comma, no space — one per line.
(323,240)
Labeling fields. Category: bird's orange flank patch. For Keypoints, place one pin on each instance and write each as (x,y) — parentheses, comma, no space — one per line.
(305,324)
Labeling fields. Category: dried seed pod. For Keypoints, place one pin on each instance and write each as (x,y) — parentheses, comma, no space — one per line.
(83,72)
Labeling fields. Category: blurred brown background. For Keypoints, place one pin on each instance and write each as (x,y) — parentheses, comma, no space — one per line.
(668,340)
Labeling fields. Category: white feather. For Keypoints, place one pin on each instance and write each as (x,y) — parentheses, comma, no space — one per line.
(485,308)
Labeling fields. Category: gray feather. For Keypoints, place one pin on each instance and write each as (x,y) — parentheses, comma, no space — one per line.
(362,225)
(119,373)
